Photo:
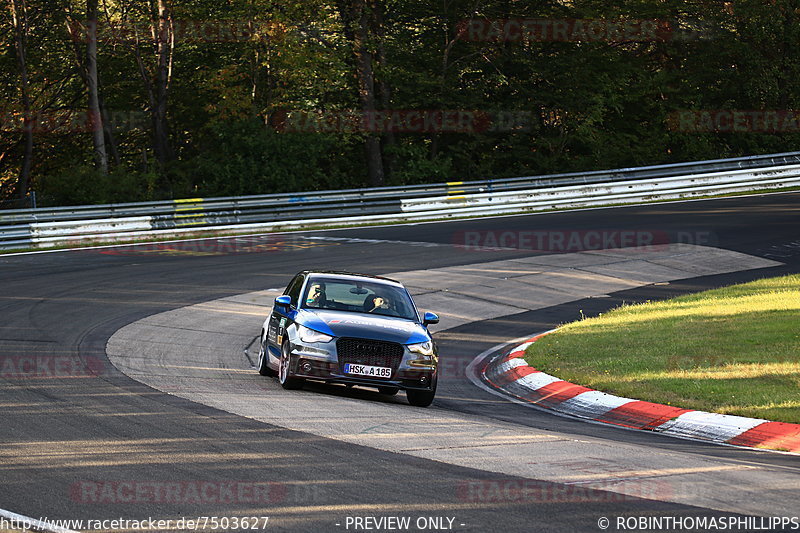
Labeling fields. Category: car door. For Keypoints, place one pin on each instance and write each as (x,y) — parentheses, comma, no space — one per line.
(281,318)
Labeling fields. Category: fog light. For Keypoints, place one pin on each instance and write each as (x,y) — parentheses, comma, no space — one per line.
(423,380)
(305,366)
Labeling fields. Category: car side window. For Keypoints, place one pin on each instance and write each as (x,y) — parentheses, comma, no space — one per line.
(293,291)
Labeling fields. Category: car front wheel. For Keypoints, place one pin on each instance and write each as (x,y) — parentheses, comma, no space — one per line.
(284,370)
(421,398)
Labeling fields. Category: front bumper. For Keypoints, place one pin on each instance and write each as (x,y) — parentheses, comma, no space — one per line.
(319,361)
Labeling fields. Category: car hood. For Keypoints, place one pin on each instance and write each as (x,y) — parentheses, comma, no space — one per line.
(363,326)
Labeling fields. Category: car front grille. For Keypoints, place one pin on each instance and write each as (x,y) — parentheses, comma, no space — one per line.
(369,352)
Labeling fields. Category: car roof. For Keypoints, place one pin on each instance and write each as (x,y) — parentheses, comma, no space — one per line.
(350,276)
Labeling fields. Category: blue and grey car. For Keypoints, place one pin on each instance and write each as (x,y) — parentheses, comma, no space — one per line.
(354,329)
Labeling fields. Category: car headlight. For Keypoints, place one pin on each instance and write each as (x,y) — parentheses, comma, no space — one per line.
(309,335)
(424,348)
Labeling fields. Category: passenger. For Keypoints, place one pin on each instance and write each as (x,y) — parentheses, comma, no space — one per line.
(376,303)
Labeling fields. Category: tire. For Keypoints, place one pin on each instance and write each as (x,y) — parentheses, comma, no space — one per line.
(263,360)
(388,391)
(284,374)
(421,398)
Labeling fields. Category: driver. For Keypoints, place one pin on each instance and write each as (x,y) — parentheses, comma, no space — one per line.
(316,295)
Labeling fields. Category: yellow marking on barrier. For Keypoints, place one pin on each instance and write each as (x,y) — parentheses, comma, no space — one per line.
(189,204)
(451,192)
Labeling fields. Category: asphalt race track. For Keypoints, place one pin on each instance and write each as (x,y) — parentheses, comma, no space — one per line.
(81,440)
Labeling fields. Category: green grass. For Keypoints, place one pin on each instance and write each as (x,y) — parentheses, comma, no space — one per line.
(734,350)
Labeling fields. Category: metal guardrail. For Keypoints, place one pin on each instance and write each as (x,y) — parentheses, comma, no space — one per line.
(618,192)
(48,227)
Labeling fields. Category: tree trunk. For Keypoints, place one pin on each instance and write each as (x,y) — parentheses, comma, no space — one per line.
(166,46)
(388,140)
(19,16)
(110,143)
(784,72)
(108,128)
(157,84)
(95,114)
(356,17)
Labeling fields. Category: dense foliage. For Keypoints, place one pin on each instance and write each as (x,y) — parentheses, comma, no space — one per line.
(229,97)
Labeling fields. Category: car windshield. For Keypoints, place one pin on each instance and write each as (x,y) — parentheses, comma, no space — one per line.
(357,296)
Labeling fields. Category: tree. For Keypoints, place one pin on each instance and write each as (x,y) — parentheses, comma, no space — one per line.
(184,90)
(157,79)
(95,115)
(361,26)
(19,18)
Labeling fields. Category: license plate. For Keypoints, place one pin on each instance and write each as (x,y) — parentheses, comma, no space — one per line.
(370,371)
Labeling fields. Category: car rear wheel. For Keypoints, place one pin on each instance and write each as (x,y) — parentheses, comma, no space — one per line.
(284,370)
(263,359)
(388,391)
(421,398)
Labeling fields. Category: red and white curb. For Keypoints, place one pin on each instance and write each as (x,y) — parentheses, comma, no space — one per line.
(512,375)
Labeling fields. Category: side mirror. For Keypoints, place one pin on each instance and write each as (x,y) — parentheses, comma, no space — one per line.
(430,318)
(283,301)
